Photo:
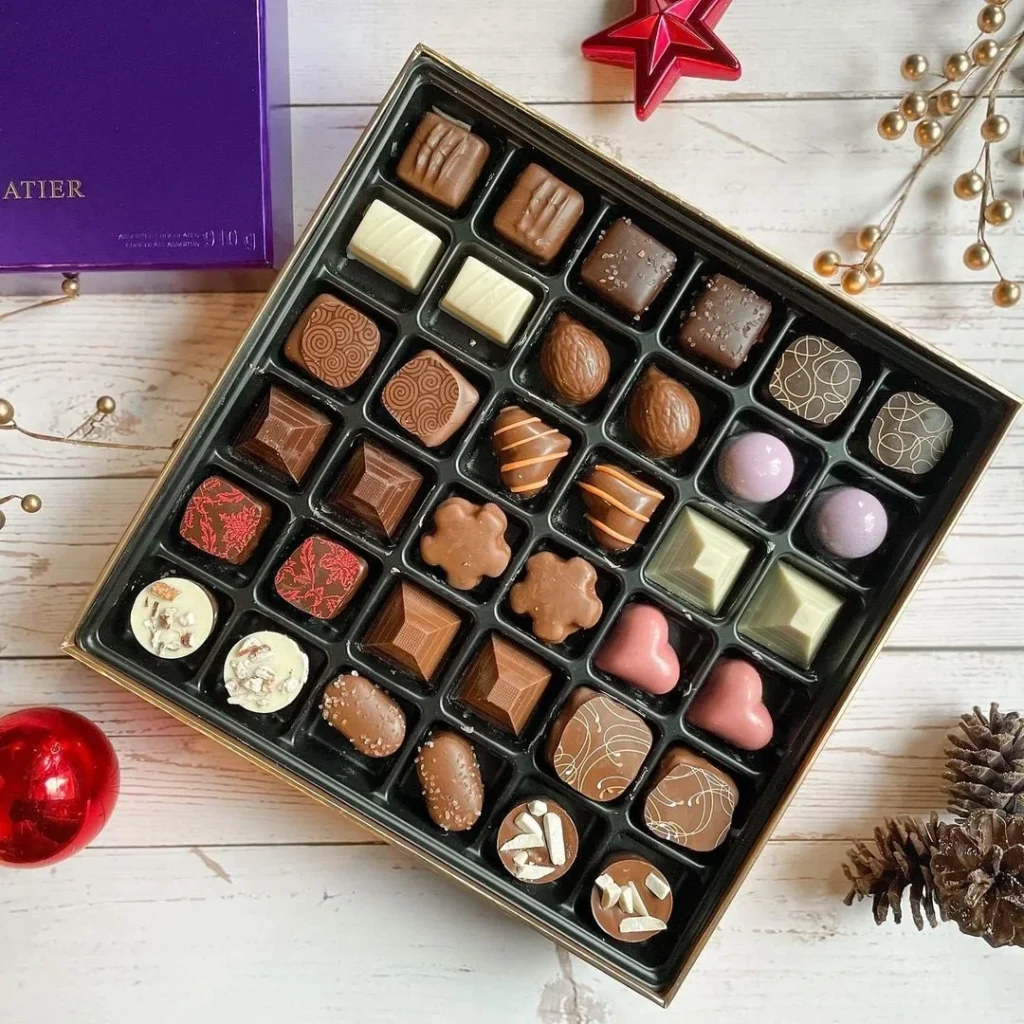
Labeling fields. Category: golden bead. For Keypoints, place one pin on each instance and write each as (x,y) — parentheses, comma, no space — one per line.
(1006,294)
(977,256)
(867,236)
(3,519)
(999,212)
(892,125)
(854,281)
(71,286)
(31,503)
(6,412)
(948,102)
(914,106)
(991,18)
(969,185)
(827,263)
(995,128)
(928,133)
(914,67)
(105,405)
(957,65)
(985,52)
(875,272)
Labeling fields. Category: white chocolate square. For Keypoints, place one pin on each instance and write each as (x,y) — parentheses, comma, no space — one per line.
(790,614)
(487,301)
(395,246)
(699,561)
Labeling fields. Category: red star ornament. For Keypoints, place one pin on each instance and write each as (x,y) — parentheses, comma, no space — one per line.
(662,41)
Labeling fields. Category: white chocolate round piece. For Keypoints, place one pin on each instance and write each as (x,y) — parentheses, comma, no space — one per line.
(264,672)
(172,618)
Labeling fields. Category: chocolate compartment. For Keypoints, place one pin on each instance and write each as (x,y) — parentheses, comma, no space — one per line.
(386,794)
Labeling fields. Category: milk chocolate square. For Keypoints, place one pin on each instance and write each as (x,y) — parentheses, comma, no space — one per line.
(333,342)
(429,398)
(725,323)
(377,488)
(628,268)
(539,214)
(443,161)
(284,433)
(504,684)
(224,520)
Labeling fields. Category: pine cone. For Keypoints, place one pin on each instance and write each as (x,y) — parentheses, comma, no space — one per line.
(979,876)
(985,765)
(901,860)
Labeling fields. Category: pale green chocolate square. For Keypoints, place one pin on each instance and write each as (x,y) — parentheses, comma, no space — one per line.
(699,561)
(790,614)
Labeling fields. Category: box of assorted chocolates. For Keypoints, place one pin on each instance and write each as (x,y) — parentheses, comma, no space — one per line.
(541,524)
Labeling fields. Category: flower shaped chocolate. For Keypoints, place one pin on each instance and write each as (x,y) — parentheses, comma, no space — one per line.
(468,542)
(559,595)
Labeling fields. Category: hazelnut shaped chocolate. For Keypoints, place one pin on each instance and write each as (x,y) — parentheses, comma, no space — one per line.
(726,322)
(443,161)
(597,745)
(539,214)
(333,342)
(467,542)
(619,506)
(537,842)
(449,775)
(370,719)
(574,361)
(528,450)
(559,596)
(663,417)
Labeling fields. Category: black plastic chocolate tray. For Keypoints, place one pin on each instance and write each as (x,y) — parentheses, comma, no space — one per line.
(803,703)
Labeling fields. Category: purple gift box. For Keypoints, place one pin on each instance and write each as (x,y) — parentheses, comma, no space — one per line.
(137,135)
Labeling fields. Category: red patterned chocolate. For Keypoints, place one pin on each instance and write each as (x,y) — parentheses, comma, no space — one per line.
(320,577)
(224,521)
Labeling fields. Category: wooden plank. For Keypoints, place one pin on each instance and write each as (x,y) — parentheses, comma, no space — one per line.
(350,54)
(970,598)
(249,933)
(885,757)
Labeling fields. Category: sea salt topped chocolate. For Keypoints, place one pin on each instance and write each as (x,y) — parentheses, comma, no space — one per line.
(628,268)
(726,322)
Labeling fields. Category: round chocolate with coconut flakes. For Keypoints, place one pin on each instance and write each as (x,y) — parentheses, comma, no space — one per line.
(264,672)
(172,618)
(631,899)
(537,842)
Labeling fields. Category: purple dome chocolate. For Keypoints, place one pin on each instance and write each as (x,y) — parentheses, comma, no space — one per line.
(847,522)
(755,467)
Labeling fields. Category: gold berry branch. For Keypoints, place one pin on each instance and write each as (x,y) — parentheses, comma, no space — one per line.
(939,113)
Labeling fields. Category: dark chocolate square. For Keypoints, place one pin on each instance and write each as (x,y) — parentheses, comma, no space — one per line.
(628,268)
(443,161)
(224,521)
(333,342)
(377,488)
(539,214)
(504,684)
(910,434)
(726,322)
(815,379)
(320,577)
(284,433)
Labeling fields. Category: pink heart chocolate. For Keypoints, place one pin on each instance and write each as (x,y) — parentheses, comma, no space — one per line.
(729,704)
(637,650)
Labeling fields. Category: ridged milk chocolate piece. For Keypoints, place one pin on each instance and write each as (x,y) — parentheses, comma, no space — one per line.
(284,433)
(628,268)
(539,214)
(429,398)
(504,683)
(574,361)
(413,630)
(333,342)
(692,802)
(619,506)
(449,775)
(467,542)
(224,520)
(597,745)
(370,719)
(815,379)
(377,488)
(443,161)
(528,450)
(726,322)
(559,595)
(910,433)
(662,416)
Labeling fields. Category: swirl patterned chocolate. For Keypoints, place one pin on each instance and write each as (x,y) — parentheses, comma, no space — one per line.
(333,342)
(910,433)
(815,380)
(430,398)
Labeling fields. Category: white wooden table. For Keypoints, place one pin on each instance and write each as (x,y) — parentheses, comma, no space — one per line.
(217,894)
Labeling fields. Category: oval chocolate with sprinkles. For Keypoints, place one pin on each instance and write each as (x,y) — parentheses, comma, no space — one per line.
(450,778)
(619,506)
(370,719)
(528,450)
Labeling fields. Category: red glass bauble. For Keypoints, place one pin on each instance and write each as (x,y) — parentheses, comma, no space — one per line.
(59,782)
